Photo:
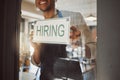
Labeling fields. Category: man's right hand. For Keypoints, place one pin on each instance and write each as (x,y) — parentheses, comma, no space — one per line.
(34,44)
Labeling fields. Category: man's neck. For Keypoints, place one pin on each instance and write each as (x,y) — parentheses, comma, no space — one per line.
(50,14)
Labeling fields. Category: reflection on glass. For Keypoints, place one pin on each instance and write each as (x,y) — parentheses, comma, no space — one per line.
(76,50)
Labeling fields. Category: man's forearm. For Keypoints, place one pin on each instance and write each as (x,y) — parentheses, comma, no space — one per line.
(35,59)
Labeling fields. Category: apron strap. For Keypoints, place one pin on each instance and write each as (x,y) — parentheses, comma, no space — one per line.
(59,14)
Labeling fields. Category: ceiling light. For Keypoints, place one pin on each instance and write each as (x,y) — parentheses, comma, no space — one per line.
(91,18)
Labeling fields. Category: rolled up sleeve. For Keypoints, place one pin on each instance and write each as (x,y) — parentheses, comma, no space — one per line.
(33,62)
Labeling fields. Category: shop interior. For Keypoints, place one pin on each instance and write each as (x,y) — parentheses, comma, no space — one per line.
(29,15)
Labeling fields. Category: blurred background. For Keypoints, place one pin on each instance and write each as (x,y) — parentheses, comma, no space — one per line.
(88,8)
(29,13)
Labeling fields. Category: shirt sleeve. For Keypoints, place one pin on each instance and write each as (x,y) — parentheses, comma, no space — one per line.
(33,62)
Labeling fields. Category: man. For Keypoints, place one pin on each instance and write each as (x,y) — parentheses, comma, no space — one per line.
(45,54)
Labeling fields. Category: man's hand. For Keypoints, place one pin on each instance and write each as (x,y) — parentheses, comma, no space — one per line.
(74,33)
(74,36)
(34,44)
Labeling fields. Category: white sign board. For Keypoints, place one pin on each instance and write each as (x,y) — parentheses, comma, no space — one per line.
(55,31)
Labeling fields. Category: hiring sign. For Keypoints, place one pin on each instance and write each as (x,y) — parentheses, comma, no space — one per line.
(52,31)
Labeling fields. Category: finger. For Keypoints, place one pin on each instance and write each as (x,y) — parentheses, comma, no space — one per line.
(78,33)
(73,28)
(72,35)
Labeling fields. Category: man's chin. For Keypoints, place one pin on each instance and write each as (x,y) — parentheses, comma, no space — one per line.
(44,9)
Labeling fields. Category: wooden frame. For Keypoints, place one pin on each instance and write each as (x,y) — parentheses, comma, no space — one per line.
(10,20)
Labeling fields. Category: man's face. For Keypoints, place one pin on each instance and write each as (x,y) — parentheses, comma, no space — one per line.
(45,5)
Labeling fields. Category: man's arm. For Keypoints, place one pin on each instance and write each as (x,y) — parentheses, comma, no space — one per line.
(35,58)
